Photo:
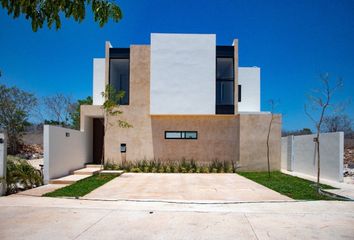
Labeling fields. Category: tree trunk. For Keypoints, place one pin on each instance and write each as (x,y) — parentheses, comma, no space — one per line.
(268,136)
(318,160)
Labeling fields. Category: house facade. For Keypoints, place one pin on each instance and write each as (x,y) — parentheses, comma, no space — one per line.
(187,98)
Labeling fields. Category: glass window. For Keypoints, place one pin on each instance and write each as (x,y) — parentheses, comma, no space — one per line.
(181,134)
(173,135)
(225,68)
(119,77)
(191,135)
(225,92)
(239,93)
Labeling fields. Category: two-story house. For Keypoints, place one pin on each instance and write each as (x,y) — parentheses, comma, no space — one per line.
(187,98)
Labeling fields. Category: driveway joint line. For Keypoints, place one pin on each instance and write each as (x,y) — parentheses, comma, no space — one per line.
(93,224)
(254,232)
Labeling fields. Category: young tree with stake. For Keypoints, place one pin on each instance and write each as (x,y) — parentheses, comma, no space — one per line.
(111,109)
(320,101)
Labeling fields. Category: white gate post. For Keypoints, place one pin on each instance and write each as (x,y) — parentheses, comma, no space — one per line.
(3,160)
(290,153)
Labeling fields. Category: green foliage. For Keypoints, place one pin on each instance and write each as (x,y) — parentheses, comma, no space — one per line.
(20,175)
(111,104)
(49,12)
(15,107)
(293,187)
(82,187)
(304,131)
(75,114)
(183,166)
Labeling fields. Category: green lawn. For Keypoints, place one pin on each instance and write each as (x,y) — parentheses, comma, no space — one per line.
(82,187)
(293,187)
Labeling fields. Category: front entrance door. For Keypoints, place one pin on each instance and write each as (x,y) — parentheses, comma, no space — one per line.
(98,140)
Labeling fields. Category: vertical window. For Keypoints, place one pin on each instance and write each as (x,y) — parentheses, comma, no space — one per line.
(225,68)
(239,93)
(119,77)
(224,81)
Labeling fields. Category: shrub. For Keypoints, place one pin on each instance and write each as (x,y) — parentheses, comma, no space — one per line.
(135,170)
(183,166)
(205,169)
(175,169)
(21,175)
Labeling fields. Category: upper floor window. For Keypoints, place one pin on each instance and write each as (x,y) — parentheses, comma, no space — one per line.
(225,68)
(224,81)
(119,77)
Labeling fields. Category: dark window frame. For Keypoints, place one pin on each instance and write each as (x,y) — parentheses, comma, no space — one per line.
(181,136)
(120,53)
(239,93)
(225,52)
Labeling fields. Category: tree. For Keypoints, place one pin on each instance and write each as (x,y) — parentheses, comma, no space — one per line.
(49,12)
(272,104)
(15,107)
(304,131)
(59,107)
(75,114)
(337,123)
(320,102)
(111,109)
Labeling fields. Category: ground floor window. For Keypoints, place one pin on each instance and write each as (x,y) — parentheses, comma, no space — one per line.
(181,134)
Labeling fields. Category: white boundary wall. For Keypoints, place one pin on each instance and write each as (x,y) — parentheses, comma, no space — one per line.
(3,162)
(298,155)
(65,150)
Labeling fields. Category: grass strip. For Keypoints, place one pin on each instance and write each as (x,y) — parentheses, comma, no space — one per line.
(82,187)
(293,187)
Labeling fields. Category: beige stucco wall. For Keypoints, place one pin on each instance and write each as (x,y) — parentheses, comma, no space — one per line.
(222,137)
(217,137)
(138,138)
(253,142)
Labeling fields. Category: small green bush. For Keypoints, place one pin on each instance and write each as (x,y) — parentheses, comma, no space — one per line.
(135,170)
(183,166)
(20,175)
(205,169)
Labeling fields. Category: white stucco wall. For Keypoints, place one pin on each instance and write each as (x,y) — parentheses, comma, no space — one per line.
(250,80)
(300,152)
(64,154)
(3,155)
(182,74)
(3,162)
(98,80)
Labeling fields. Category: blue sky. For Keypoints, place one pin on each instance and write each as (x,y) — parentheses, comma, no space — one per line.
(292,41)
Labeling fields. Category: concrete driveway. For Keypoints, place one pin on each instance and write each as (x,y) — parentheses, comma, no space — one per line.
(185,187)
(24,217)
